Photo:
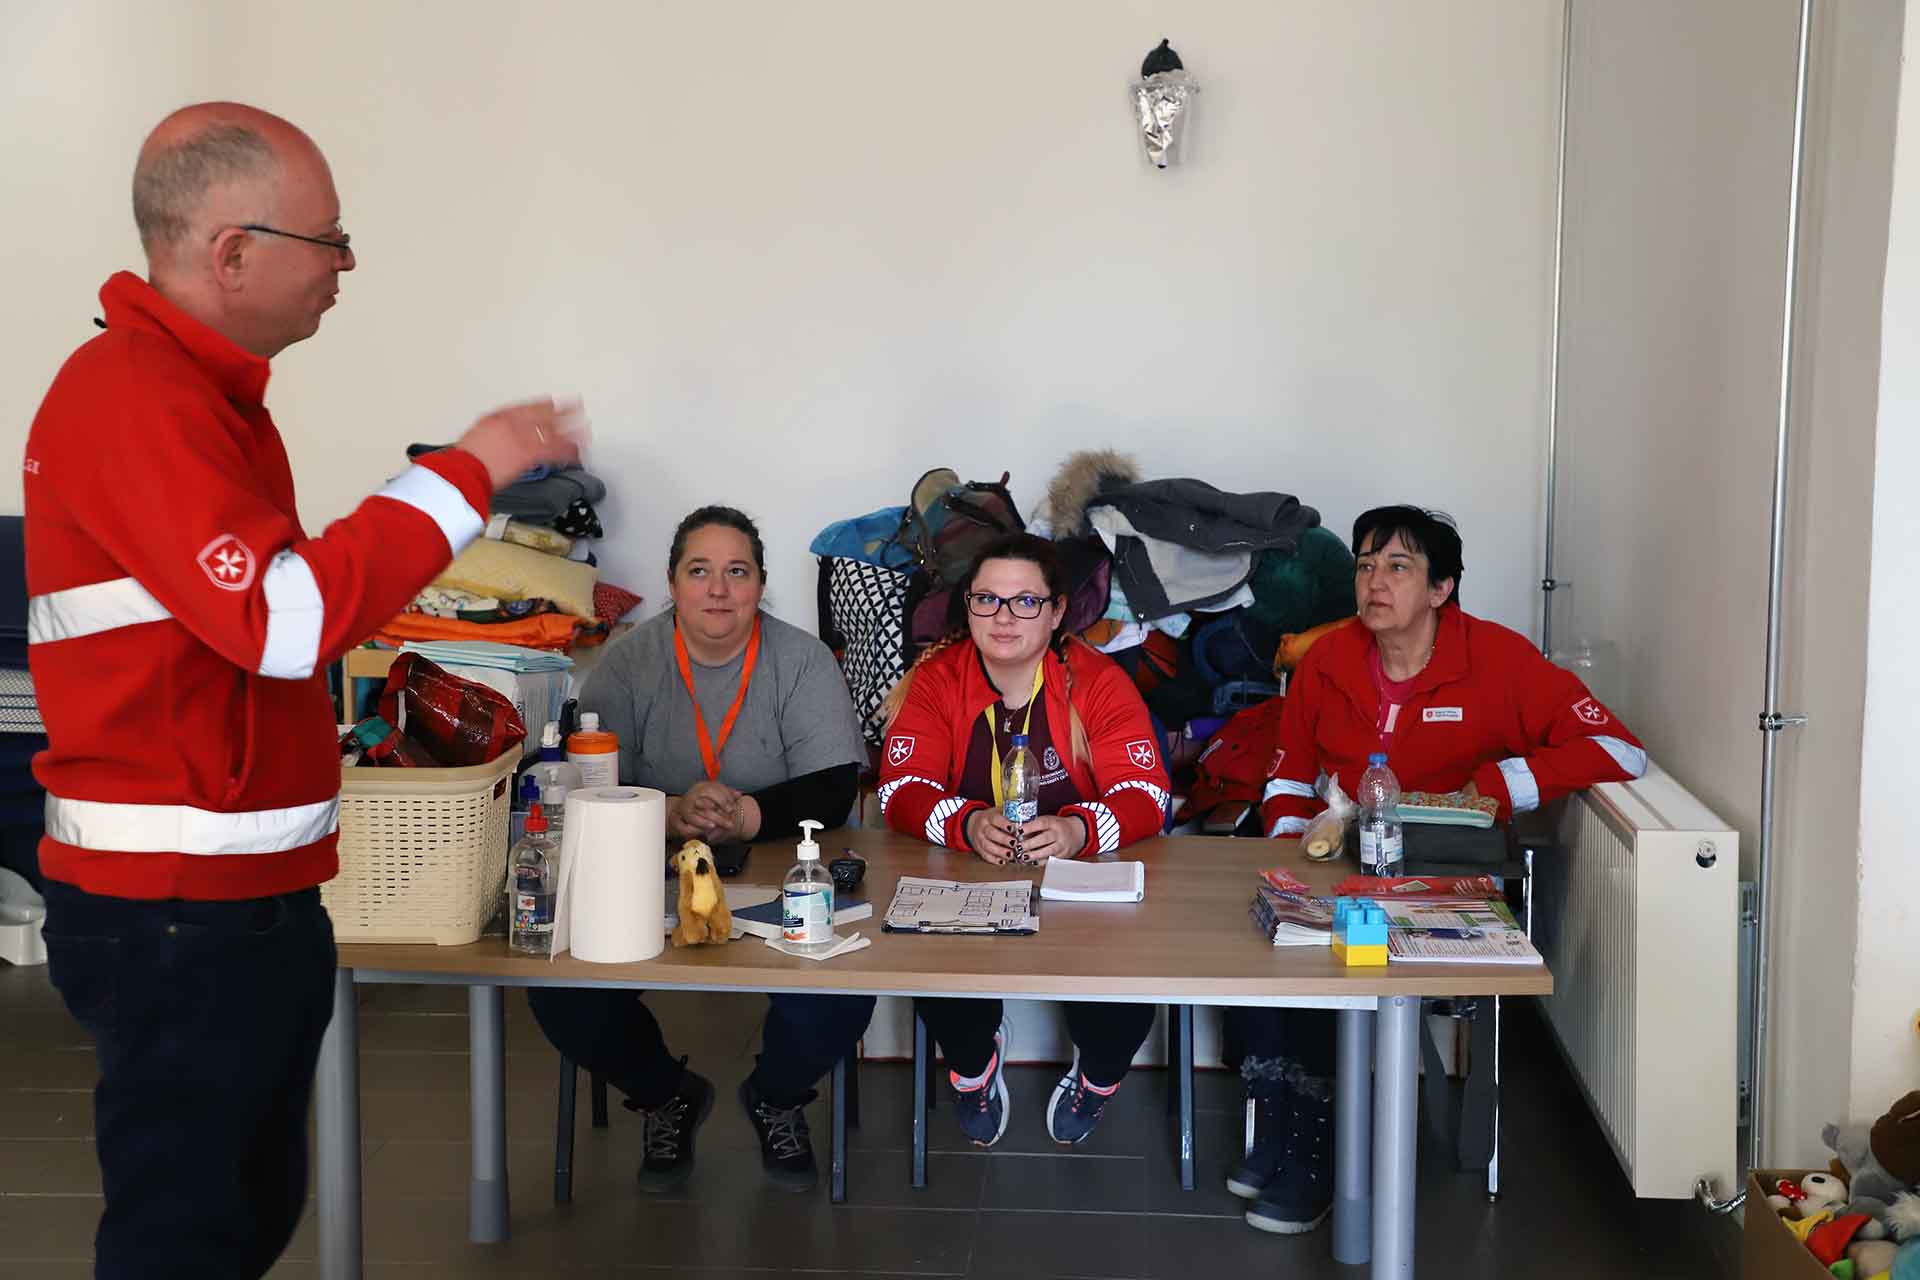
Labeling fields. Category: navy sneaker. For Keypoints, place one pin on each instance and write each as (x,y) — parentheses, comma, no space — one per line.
(670,1127)
(1076,1105)
(983,1109)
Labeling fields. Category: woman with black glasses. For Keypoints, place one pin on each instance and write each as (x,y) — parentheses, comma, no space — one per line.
(951,721)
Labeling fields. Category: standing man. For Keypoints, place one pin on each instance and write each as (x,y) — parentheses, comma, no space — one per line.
(180,623)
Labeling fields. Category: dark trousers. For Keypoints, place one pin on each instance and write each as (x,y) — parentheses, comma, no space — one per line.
(1107,1035)
(614,1034)
(1302,1040)
(206,1019)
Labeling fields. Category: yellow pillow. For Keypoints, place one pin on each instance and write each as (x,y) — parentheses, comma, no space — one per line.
(490,568)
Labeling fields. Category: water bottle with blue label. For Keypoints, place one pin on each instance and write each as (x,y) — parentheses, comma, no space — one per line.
(1019,789)
(1381,851)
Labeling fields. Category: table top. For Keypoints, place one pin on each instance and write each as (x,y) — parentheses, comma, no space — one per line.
(1190,941)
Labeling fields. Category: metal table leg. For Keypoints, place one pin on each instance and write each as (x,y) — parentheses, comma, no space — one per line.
(487,1092)
(920,1097)
(336,1133)
(837,1183)
(1396,1119)
(1353,1139)
(1183,1069)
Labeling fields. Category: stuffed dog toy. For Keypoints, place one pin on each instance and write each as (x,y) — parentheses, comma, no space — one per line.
(703,903)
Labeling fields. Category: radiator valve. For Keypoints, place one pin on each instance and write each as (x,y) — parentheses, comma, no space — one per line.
(1706,855)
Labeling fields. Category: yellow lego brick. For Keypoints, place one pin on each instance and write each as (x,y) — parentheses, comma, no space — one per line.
(1374,954)
(1339,946)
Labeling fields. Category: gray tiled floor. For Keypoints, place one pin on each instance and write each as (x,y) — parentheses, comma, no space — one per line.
(1112,1209)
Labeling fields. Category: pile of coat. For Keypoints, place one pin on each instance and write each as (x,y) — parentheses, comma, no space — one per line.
(532,580)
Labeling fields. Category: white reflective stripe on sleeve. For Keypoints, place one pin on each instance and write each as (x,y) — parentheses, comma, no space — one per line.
(1287,827)
(886,789)
(177,828)
(1160,797)
(1106,827)
(295,614)
(1288,787)
(1521,788)
(1631,759)
(89,610)
(937,820)
(435,496)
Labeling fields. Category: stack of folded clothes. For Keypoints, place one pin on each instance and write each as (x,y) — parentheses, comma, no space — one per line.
(532,580)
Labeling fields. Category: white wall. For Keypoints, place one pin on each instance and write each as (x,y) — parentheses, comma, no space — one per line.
(1886,1054)
(794,255)
(1677,190)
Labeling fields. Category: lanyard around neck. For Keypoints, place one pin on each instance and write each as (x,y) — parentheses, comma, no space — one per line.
(993,734)
(710,750)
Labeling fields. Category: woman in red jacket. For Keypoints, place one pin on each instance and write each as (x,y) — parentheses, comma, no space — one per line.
(952,720)
(1456,703)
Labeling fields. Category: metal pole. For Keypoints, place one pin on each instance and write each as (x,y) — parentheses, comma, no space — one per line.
(336,1133)
(1547,583)
(1771,719)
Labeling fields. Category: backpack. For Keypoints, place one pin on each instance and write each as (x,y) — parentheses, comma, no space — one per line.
(947,522)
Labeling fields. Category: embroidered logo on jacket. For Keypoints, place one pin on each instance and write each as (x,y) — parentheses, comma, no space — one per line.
(1141,753)
(227,563)
(899,751)
(1591,712)
(1433,715)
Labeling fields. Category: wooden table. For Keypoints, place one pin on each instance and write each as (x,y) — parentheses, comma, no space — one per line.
(1189,943)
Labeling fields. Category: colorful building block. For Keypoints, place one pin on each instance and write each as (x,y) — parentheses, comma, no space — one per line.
(1359,931)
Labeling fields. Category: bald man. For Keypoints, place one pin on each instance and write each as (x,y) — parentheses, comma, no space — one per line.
(179,628)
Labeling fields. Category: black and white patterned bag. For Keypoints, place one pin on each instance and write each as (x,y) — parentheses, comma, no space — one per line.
(863,613)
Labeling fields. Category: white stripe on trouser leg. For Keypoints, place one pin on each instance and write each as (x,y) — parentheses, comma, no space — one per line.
(1521,788)
(295,616)
(937,820)
(1287,827)
(886,789)
(89,610)
(105,827)
(1288,787)
(1631,759)
(436,497)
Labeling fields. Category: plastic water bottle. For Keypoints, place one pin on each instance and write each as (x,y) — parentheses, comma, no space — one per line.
(535,876)
(807,898)
(1379,800)
(556,776)
(1019,788)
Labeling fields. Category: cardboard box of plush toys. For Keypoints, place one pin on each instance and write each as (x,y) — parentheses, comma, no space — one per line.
(1858,1219)
(1772,1249)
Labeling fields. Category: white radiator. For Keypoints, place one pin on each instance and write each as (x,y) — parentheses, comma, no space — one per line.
(1637,914)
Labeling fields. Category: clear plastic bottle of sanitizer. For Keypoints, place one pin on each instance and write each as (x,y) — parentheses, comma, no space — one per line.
(807,897)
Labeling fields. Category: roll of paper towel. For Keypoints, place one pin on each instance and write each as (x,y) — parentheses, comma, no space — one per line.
(613,875)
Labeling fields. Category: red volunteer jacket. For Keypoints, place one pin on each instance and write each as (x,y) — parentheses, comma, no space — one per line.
(1488,709)
(926,749)
(181,619)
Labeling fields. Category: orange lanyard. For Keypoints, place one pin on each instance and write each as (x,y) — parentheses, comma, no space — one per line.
(709,752)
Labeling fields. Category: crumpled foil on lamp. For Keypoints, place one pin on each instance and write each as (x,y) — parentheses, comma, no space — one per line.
(1162,101)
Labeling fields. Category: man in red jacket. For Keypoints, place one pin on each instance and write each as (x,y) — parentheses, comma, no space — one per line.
(179,627)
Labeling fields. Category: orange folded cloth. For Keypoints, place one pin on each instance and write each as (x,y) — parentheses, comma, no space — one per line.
(541,631)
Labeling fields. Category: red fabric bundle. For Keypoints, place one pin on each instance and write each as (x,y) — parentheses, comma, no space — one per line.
(461,721)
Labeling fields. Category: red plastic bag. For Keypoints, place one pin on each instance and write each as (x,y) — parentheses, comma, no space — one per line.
(1418,887)
(460,721)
